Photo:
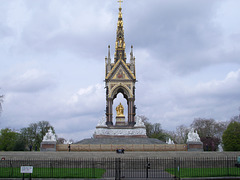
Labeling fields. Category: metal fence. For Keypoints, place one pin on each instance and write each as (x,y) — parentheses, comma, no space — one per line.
(121,168)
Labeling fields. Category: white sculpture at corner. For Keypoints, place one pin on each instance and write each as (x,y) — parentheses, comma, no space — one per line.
(67,142)
(49,136)
(193,136)
(139,122)
(102,122)
(170,141)
(220,148)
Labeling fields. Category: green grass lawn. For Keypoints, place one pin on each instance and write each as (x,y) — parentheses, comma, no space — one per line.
(54,172)
(204,172)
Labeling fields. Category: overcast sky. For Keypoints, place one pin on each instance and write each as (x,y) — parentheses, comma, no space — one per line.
(52,61)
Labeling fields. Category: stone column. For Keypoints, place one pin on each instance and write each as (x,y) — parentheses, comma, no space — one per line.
(131,113)
(128,103)
(109,113)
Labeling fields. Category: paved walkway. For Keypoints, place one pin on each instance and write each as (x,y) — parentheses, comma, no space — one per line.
(209,178)
(100,155)
(82,179)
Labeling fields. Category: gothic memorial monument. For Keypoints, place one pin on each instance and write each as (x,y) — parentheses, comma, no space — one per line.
(120,77)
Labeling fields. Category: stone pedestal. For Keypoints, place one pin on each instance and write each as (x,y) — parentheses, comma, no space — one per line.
(123,131)
(49,142)
(120,121)
(194,146)
(48,146)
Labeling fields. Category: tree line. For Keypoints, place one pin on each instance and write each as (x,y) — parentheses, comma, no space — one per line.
(28,138)
(211,132)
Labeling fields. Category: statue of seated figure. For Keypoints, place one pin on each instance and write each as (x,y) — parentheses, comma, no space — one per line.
(120,110)
(49,136)
(193,136)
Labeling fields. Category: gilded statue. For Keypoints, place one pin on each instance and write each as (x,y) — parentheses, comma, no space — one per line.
(120,43)
(120,110)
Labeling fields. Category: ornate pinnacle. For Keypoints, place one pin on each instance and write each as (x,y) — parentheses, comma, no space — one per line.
(120,1)
(120,43)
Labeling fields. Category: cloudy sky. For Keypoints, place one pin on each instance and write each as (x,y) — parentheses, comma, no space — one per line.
(52,58)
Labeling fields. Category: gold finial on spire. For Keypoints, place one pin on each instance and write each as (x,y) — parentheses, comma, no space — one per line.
(120,1)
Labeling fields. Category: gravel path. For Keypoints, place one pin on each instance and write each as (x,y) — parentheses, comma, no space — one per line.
(99,155)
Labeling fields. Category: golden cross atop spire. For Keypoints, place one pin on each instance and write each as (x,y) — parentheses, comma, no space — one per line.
(120,1)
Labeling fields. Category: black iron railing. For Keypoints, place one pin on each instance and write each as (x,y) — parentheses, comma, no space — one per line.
(120,168)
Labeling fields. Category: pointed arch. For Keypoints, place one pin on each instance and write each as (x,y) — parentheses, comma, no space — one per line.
(121,88)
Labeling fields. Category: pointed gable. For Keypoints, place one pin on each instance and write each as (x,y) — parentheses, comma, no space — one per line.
(120,71)
(120,74)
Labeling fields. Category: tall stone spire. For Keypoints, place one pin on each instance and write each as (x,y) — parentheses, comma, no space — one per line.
(120,42)
(120,78)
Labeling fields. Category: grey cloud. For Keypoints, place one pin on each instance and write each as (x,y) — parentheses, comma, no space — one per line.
(67,114)
(31,81)
(5,31)
(181,104)
(183,34)
(173,41)
(62,27)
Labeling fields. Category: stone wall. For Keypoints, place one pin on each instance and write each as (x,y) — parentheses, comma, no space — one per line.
(48,146)
(195,146)
(127,147)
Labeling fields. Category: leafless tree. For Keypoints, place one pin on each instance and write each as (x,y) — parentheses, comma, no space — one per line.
(144,119)
(236,118)
(154,130)
(181,134)
(209,127)
(204,127)
(61,140)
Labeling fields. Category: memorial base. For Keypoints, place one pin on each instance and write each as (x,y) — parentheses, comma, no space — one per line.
(195,146)
(48,146)
(123,131)
(120,121)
